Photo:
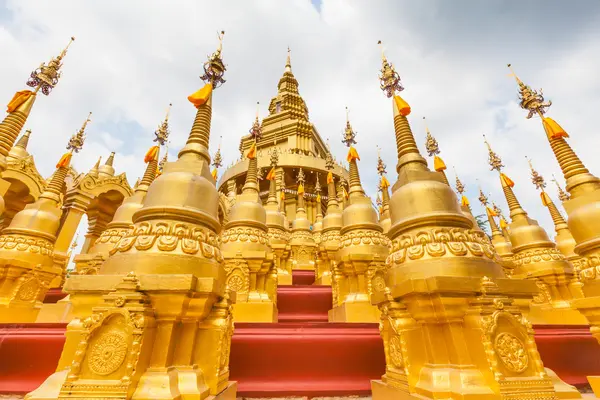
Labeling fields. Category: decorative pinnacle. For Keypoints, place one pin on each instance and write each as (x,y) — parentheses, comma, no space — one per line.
(260,174)
(77,140)
(288,61)
(562,195)
(214,69)
(163,131)
(493,158)
(329,163)
(431,144)
(274,157)
(318,186)
(381,167)
(378,200)
(497,209)
(482,198)
(218,159)
(389,80)
(460,188)
(349,134)
(531,100)
(45,77)
(256,129)
(300,178)
(536,178)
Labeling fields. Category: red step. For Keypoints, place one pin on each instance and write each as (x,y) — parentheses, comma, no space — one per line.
(54,295)
(303,303)
(303,277)
(305,359)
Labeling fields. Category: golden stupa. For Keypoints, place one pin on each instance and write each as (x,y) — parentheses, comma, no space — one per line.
(449,323)
(155,322)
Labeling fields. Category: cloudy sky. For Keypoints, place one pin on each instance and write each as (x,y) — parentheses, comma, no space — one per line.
(131,59)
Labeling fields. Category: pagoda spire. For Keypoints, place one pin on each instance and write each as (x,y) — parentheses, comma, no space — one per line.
(433,150)
(288,61)
(43,79)
(95,169)
(562,195)
(500,241)
(384,184)
(24,140)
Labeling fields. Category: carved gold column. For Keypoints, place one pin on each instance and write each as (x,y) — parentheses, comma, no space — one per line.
(362,252)
(449,324)
(166,325)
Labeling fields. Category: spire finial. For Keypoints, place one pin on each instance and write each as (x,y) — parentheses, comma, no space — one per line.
(45,77)
(77,140)
(288,61)
(214,69)
(349,134)
(493,159)
(431,144)
(24,140)
(318,186)
(562,195)
(482,197)
(163,131)
(381,167)
(460,187)
(389,78)
(536,178)
(217,158)
(531,100)
(256,129)
(163,161)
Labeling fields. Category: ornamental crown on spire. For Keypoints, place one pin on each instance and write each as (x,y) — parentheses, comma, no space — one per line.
(389,78)
(460,187)
(163,131)
(256,129)
(381,167)
(217,158)
(530,100)
(349,134)
(483,198)
(329,163)
(562,195)
(300,178)
(493,159)
(536,178)
(77,140)
(274,154)
(214,69)
(431,144)
(45,77)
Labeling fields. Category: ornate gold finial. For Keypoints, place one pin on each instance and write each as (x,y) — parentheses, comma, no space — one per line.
(329,162)
(562,195)
(214,69)
(378,200)
(300,178)
(531,100)
(460,187)
(497,210)
(536,178)
(45,77)
(381,167)
(77,140)
(318,186)
(163,131)
(389,78)
(274,157)
(217,158)
(483,198)
(431,144)
(256,129)
(349,134)
(288,61)
(493,158)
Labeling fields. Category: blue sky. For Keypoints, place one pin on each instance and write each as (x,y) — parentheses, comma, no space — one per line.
(131,59)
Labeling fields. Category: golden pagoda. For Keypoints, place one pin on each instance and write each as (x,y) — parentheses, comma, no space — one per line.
(246,250)
(563,239)
(163,328)
(276,223)
(27,263)
(43,79)
(88,262)
(288,129)
(384,215)
(535,257)
(449,324)
(302,243)
(362,251)
(330,234)
(501,244)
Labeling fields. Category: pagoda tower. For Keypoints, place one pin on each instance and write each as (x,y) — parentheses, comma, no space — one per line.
(363,249)
(330,234)
(449,324)
(27,263)
(288,129)
(164,327)
(535,257)
(246,249)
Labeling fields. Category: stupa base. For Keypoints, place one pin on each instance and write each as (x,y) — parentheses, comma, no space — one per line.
(359,311)
(546,315)
(284,279)
(324,280)
(255,312)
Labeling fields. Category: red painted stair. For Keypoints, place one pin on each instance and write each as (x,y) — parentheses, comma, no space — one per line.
(303,303)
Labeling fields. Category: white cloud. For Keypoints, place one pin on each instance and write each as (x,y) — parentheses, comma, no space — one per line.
(132,58)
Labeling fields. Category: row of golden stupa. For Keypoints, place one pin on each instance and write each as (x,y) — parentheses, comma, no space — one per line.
(168,265)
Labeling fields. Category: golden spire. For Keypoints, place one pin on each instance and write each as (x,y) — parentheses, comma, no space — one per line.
(349,140)
(389,78)
(562,195)
(76,141)
(433,150)
(507,184)
(460,188)
(218,159)
(288,61)
(110,160)
(96,168)
(251,184)
(199,138)
(24,140)
(540,184)
(579,180)
(164,160)
(272,199)
(45,77)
